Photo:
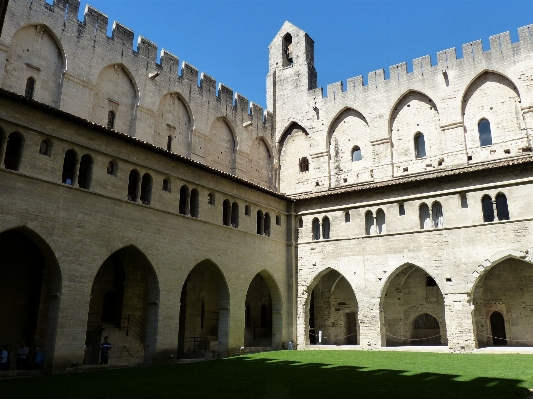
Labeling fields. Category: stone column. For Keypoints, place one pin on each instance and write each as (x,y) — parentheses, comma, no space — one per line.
(302,317)
(235,325)
(138,189)
(3,146)
(76,170)
(460,322)
(371,330)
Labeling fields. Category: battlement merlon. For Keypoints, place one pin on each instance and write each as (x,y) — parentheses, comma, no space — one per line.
(120,32)
(92,31)
(73,6)
(148,49)
(169,62)
(242,103)
(94,19)
(501,48)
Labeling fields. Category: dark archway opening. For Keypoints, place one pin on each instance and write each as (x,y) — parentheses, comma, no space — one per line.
(123,307)
(258,330)
(333,312)
(13,154)
(412,309)
(30,287)
(204,313)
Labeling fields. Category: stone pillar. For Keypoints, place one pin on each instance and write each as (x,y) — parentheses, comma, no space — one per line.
(460,322)
(138,189)
(234,327)
(76,170)
(302,317)
(371,329)
(3,146)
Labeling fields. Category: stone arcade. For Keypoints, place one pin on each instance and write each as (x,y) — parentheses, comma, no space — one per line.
(142,201)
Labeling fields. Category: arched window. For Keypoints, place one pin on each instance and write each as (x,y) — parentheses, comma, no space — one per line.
(166,185)
(133,182)
(211,199)
(169,143)
(369,223)
(380,222)
(420,146)
(146,189)
(426,322)
(423,213)
(226,212)
(267,224)
(286,47)
(316,229)
(235,215)
(325,228)
(304,164)
(437,215)
(86,171)
(485,134)
(45,148)
(184,200)
(260,226)
(112,168)
(356,154)
(30,88)
(111,119)
(195,203)
(502,210)
(347,217)
(401,209)
(487,208)
(13,154)
(69,167)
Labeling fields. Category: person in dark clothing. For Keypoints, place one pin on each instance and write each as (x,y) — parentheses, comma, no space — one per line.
(105,347)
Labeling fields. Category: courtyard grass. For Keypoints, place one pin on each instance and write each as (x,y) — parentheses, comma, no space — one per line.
(299,374)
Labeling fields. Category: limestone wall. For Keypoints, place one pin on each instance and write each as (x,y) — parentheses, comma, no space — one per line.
(382,114)
(79,69)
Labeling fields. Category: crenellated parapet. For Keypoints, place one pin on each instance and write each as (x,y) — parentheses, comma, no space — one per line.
(141,86)
(378,117)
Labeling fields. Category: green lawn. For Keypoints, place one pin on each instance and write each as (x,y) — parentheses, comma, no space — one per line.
(299,374)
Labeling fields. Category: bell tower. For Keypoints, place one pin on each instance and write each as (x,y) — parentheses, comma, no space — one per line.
(291,72)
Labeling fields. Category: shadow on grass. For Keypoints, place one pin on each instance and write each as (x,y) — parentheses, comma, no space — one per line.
(244,377)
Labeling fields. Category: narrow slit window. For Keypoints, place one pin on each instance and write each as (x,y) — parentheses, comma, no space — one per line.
(485,133)
(437,215)
(356,154)
(248,210)
(325,228)
(369,223)
(260,221)
(146,189)
(195,203)
(166,185)
(401,209)
(133,182)
(267,224)
(184,200)
(30,88)
(45,148)
(278,220)
(424,217)
(487,208)
(85,172)
(420,146)
(169,143)
(226,212)
(69,166)
(112,168)
(211,199)
(111,119)
(380,222)
(235,215)
(347,217)
(316,229)
(502,209)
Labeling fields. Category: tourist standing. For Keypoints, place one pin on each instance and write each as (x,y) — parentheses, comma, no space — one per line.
(22,356)
(3,358)
(105,347)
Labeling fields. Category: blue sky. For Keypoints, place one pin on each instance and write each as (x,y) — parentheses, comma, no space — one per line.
(228,39)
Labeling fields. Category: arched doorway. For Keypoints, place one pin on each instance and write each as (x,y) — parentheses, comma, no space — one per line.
(333,311)
(412,309)
(263,313)
(204,313)
(502,302)
(123,307)
(30,290)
